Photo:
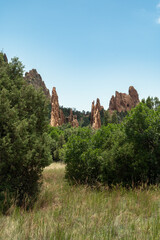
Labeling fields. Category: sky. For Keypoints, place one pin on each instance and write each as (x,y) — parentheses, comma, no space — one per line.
(87,49)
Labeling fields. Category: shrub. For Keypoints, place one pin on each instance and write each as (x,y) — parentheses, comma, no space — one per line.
(126,153)
(142,128)
(77,154)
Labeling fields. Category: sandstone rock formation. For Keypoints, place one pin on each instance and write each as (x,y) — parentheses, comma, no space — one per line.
(123,102)
(62,118)
(32,77)
(55,112)
(95,114)
(75,122)
(72,119)
(57,116)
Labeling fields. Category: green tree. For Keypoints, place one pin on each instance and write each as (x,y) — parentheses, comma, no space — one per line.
(81,160)
(152,103)
(142,128)
(114,118)
(107,118)
(24,143)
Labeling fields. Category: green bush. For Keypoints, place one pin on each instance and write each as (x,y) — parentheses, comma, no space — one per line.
(142,128)
(126,153)
(77,154)
(24,143)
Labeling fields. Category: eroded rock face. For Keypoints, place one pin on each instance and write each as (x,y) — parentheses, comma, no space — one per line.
(95,114)
(55,112)
(134,95)
(75,121)
(123,102)
(62,118)
(57,115)
(32,77)
(92,113)
(72,119)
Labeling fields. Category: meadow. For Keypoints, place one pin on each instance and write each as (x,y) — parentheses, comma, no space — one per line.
(65,211)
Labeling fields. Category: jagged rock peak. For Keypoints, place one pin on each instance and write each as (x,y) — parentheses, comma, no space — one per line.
(34,78)
(95,114)
(123,102)
(55,113)
(57,116)
(134,95)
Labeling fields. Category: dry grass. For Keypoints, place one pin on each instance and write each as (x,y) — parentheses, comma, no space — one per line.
(54,166)
(82,213)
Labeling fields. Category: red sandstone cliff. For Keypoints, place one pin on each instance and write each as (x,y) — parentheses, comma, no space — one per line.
(32,77)
(123,102)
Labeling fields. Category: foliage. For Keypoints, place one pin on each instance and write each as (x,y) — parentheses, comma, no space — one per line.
(24,143)
(115,117)
(81,160)
(152,103)
(143,130)
(82,116)
(127,153)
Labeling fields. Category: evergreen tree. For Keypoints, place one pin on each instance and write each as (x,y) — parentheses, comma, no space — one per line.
(24,143)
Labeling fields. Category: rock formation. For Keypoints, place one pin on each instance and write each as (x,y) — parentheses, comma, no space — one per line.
(62,118)
(95,114)
(75,121)
(55,112)
(92,113)
(32,77)
(72,119)
(123,102)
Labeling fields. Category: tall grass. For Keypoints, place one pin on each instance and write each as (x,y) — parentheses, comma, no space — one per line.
(82,213)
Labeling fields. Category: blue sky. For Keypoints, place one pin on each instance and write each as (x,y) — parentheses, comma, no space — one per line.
(86,48)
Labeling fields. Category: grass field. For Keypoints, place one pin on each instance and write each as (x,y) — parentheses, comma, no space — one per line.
(79,212)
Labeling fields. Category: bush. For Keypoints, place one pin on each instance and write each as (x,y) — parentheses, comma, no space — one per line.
(24,143)
(77,154)
(126,153)
(142,128)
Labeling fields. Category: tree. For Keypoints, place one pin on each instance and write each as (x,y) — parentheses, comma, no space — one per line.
(142,128)
(24,143)
(107,118)
(79,157)
(152,103)
(114,117)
